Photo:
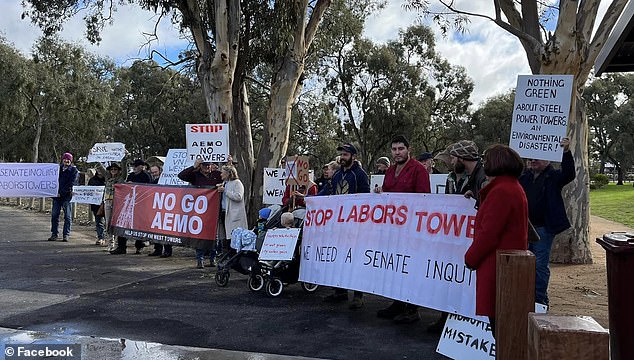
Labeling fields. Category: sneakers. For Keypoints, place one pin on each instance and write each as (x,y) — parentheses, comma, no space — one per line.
(52,238)
(356,303)
(118,251)
(336,298)
(391,311)
(65,238)
(111,245)
(409,316)
(99,242)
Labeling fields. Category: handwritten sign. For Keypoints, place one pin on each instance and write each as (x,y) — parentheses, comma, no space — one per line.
(88,194)
(175,162)
(279,244)
(29,179)
(105,152)
(540,115)
(298,170)
(209,142)
(274,186)
(467,338)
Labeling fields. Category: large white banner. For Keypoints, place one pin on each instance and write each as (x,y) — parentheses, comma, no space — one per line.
(540,115)
(175,162)
(29,180)
(403,246)
(209,142)
(105,152)
(88,194)
(274,186)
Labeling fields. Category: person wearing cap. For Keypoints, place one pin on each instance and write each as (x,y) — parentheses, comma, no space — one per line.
(349,179)
(382,164)
(457,177)
(465,152)
(405,175)
(68,176)
(427,159)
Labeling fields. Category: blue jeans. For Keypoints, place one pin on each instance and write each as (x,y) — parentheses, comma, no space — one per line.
(99,225)
(58,205)
(200,254)
(541,249)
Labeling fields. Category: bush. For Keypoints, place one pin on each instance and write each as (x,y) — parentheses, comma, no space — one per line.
(599,180)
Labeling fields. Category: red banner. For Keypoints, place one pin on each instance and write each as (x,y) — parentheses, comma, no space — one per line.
(182,216)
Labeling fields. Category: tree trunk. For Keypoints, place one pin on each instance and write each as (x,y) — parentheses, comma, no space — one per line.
(241,140)
(620,175)
(572,245)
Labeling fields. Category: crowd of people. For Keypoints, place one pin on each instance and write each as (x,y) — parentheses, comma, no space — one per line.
(512,196)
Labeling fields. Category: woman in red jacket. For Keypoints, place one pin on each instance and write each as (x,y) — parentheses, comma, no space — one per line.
(501,222)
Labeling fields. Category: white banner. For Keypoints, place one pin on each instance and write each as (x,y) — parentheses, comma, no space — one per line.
(105,152)
(540,115)
(279,244)
(29,180)
(88,194)
(274,186)
(403,246)
(467,338)
(209,142)
(175,162)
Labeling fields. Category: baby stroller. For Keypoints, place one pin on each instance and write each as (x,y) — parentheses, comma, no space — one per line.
(272,276)
(241,258)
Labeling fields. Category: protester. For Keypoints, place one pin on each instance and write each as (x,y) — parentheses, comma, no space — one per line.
(98,180)
(349,179)
(68,176)
(427,159)
(333,167)
(465,153)
(293,199)
(155,172)
(160,250)
(232,191)
(382,164)
(543,184)
(205,174)
(501,223)
(406,175)
(323,179)
(113,175)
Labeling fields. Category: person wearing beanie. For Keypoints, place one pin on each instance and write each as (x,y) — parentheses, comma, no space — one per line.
(68,176)
(382,164)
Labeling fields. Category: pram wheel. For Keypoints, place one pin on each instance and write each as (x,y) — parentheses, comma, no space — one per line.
(308,287)
(274,287)
(255,282)
(222,278)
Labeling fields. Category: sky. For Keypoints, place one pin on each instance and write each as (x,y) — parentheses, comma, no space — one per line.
(492,57)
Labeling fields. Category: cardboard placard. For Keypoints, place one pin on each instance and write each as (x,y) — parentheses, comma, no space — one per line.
(106,152)
(279,244)
(297,170)
(88,194)
(175,162)
(467,338)
(209,142)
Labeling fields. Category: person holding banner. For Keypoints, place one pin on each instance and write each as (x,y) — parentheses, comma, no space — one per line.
(543,185)
(113,175)
(68,176)
(465,153)
(349,179)
(406,175)
(161,250)
(98,180)
(501,223)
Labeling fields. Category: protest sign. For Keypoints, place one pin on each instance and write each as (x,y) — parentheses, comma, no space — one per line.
(467,338)
(29,180)
(376,181)
(297,170)
(209,142)
(279,244)
(105,152)
(181,216)
(175,162)
(88,194)
(438,183)
(274,186)
(540,115)
(408,247)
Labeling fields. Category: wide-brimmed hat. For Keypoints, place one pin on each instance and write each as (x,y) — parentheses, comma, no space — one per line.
(113,166)
(465,149)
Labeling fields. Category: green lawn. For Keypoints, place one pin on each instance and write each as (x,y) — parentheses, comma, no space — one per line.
(614,203)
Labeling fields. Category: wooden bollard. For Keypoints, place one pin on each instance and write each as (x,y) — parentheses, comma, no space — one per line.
(559,337)
(515,298)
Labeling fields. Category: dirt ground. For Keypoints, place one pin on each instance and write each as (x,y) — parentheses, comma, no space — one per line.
(582,289)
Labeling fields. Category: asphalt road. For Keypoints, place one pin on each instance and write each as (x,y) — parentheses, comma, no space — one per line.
(75,288)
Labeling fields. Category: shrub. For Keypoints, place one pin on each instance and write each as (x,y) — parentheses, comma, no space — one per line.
(600,180)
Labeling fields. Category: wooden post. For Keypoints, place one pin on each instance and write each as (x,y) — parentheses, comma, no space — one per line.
(515,298)
(560,337)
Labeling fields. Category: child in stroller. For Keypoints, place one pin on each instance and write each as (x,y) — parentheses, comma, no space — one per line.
(272,275)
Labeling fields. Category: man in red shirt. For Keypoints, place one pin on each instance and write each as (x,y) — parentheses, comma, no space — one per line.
(406,175)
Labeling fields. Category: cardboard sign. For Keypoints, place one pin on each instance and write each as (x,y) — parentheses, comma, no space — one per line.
(209,142)
(29,180)
(297,170)
(181,216)
(274,186)
(175,162)
(376,181)
(88,194)
(279,244)
(467,338)
(105,152)
(540,115)
(403,246)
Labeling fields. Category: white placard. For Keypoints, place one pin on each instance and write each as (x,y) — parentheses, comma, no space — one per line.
(29,180)
(438,183)
(279,244)
(175,162)
(209,142)
(408,247)
(274,186)
(376,181)
(105,152)
(88,194)
(540,115)
(467,338)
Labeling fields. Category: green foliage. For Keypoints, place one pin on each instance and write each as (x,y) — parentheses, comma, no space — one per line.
(614,202)
(491,122)
(600,180)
